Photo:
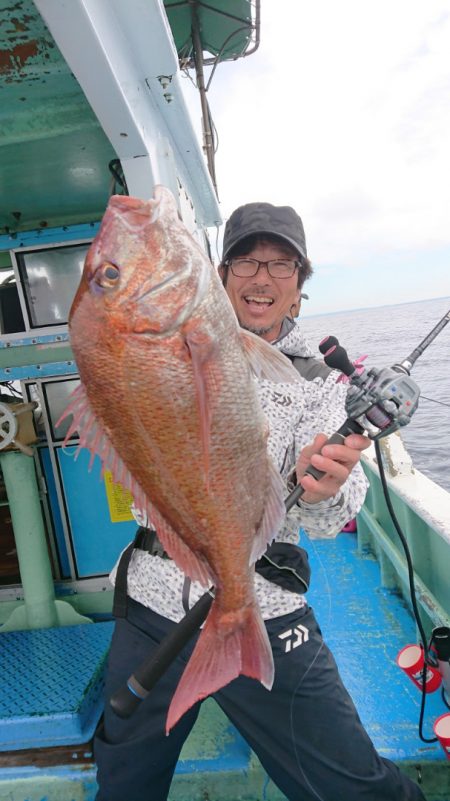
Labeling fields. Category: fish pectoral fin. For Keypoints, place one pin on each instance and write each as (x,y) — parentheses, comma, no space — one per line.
(273,516)
(202,350)
(196,567)
(266,361)
(222,653)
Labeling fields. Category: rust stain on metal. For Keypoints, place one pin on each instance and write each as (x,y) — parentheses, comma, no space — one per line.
(16,58)
(22,24)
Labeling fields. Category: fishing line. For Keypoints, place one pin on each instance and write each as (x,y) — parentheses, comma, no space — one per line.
(412,589)
(441,403)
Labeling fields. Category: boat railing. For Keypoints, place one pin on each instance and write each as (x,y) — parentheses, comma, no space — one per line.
(422,509)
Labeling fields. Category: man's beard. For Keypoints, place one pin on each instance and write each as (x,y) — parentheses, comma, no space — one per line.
(258,331)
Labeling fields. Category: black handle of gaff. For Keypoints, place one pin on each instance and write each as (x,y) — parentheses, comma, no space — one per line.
(127,698)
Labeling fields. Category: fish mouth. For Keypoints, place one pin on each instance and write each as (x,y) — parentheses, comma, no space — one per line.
(133,212)
(125,202)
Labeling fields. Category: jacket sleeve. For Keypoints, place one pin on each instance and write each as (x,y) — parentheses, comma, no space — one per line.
(325,413)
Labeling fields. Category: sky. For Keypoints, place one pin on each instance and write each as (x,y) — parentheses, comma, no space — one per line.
(344,113)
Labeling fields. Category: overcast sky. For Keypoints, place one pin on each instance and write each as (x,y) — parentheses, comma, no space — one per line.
(344,113)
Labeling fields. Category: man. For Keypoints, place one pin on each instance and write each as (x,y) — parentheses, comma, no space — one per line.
(305,731)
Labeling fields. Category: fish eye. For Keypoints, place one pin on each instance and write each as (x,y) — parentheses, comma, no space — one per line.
(107,275)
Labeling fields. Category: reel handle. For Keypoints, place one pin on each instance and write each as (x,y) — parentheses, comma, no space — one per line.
(334,355)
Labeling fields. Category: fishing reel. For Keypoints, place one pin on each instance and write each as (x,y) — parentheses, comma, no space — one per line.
(380,400)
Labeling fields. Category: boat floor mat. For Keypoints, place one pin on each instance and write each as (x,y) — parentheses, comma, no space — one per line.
(52,683)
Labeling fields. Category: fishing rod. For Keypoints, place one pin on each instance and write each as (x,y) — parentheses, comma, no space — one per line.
(378,402)
(414,355)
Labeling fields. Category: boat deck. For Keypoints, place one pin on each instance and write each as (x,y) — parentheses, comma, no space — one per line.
(364,625)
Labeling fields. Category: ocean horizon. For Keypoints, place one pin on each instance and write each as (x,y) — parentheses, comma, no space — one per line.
(304,313)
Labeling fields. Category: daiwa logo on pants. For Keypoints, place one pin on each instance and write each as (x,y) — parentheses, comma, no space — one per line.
(294,637)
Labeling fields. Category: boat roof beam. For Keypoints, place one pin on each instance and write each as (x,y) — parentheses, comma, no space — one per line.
(128,70)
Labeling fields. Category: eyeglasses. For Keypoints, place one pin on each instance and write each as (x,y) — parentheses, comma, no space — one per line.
(277,268)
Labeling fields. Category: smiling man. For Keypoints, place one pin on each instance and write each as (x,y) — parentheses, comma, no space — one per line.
(264,266)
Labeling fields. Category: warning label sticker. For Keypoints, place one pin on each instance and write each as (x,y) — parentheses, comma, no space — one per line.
(119,500)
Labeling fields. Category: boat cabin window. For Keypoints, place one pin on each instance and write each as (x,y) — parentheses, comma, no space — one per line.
(11,317)
(57,395)
(48,279)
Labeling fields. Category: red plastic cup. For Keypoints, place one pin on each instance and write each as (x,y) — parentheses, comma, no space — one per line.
(411,660)
(442,731)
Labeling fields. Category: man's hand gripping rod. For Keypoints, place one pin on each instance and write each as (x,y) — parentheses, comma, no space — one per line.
(378,403)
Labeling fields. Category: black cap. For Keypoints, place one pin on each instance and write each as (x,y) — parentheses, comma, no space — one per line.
(263,218)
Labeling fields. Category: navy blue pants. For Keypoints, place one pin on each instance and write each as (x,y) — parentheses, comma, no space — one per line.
(305,731)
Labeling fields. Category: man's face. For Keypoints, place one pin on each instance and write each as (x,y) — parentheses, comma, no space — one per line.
(261,302)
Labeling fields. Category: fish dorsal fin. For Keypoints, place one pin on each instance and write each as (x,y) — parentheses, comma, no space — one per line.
(93,437)
(274,514)
(266,361)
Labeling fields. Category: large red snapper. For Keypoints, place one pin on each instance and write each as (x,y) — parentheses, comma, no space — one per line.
(168,400)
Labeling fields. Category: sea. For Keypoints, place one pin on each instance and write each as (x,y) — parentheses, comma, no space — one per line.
(388,335)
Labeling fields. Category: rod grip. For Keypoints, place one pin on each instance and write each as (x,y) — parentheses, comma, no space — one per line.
(348,427)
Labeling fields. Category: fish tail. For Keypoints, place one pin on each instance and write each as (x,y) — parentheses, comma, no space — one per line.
(229,645)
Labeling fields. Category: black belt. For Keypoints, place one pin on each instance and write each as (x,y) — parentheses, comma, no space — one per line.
(147,540)
(283,563)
